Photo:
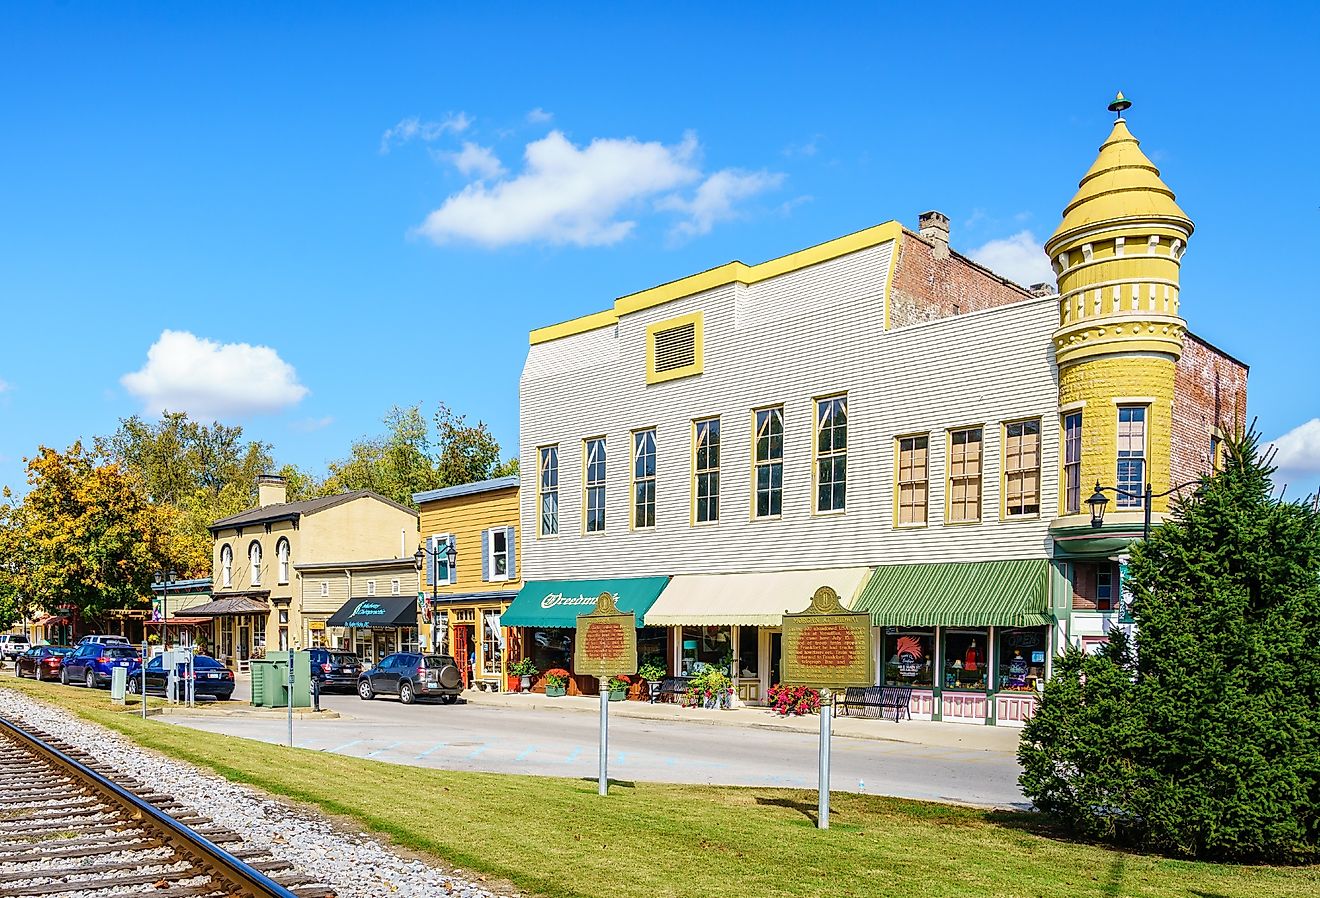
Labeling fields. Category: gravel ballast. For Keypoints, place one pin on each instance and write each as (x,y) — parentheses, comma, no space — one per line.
(356,866)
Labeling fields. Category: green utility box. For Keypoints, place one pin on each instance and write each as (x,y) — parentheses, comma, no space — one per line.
(270,680)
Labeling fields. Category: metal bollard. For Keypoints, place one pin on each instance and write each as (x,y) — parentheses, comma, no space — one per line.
(316,694)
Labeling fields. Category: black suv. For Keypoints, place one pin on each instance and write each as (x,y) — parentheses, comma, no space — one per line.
(411,675)
(335,669)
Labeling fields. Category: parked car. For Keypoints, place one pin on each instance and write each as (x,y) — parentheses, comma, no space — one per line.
(101,639)
(412,675)
(213,679)
(41,662)
(12,645)
(90,663)
(335,669)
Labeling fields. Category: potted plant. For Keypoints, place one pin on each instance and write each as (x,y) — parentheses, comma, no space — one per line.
(618,687)
(525,670)
(711,688)
(653,671)
(556,682)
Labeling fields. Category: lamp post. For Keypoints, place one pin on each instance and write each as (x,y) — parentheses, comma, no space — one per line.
(419,558)
(163,579)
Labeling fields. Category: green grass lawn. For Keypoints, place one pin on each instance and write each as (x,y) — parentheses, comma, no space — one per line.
(557,838)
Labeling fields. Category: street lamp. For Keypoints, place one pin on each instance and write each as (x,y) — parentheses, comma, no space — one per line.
(163,580)
(1099,501)
(419,558)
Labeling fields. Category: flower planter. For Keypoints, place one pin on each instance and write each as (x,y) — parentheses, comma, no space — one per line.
(556,691)
(618,695)
(525,683)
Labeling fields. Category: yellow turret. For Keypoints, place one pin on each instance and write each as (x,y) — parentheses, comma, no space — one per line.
(1117,254)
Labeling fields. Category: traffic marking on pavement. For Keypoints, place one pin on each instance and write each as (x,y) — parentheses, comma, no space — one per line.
(433,748)
(572,756)
(477,751)
(372,754)
(529,750)
(344,746)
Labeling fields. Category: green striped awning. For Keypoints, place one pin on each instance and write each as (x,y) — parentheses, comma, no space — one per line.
(972,594)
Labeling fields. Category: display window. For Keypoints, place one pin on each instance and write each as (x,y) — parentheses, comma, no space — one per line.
(909,658)
(966,654)
(652,645)
(550,647)
(704,647)
(748,651)
(1021,658)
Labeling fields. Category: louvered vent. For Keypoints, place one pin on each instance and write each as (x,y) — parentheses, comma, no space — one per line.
(676,348)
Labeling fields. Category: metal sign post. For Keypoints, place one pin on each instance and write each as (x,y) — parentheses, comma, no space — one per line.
(144,679)
(827,647)
(606,646)
(290,696)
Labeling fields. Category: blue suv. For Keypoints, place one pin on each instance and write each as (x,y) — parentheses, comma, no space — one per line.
(91,663)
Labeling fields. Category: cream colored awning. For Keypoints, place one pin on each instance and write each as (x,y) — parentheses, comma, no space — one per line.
(748,600)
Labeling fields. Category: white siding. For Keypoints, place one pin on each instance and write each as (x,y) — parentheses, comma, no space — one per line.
(787,340)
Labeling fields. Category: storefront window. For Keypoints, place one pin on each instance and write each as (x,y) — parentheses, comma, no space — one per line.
(550,647)
(748,651)
(408,638)
(1021,658)
(652,643)
(492,642)
(441,637)
(705,647)
(909,658)
(965,657)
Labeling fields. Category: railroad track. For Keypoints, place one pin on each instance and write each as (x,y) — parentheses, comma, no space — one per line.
(67,830)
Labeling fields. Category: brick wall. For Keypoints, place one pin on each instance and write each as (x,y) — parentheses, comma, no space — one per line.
(1210,391)
(926,288)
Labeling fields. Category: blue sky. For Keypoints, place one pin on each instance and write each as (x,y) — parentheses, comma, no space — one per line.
(381,200)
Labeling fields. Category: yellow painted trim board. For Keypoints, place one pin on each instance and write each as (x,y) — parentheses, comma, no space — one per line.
(729,273)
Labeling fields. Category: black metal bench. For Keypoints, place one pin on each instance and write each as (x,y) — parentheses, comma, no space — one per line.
(673,687)
(873,701)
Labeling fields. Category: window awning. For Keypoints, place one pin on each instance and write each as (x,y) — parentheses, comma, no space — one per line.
(387,611)
(557,603)
(227,606)
(970,594)
(748,600)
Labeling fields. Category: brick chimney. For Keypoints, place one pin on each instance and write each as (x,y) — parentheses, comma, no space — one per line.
(935,228)
(270,490)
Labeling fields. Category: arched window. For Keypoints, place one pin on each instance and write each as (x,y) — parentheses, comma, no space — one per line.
(254,557)
(227,565)
(282,552)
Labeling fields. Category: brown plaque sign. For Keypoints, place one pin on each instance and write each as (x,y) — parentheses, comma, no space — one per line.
(828,646)
(606,644)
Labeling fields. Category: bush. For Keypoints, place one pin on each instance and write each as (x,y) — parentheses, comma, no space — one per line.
(556,677)
(711,688)
(1205,741)
(794,700)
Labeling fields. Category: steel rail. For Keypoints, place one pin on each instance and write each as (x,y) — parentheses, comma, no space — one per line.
(234,874)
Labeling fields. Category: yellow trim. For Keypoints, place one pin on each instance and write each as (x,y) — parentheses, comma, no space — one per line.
(698,322)
(586,440)
(632,474)
(751,510)
(730,273)
(1003,469)
(815,457)
(948,477)
(692,468)
(898,440)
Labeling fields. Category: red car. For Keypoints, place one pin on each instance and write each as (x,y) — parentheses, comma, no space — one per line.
(41,662)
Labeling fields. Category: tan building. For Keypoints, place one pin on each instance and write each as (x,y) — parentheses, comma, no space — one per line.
(257,581)
(367,607)
(462,601)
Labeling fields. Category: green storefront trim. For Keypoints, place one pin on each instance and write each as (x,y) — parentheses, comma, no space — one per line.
(557,603)
(967,594)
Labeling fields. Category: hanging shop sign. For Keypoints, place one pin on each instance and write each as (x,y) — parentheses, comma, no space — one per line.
(606,644)
(827,646)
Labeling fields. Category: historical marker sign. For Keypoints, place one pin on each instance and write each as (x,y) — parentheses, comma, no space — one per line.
(606,644)
(828,646)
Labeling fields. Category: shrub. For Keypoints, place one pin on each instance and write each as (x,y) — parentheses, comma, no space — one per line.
(794,700)
(619,681)
(556,677)
(710,688)
(653,669)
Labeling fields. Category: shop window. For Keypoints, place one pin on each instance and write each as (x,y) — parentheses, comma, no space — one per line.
(965,656)
(749,651)
(1021,658)
(704,647)
(653,645)
(965,475)
(909,658)
(1072,463)
(768,436)
(441,627)
(550,647)
(706,470)
(831,453)
(492,643)
(1022,468)
(1131,455)
(593,499)
(548,490)
(408,639)
(913,479)
(643,488)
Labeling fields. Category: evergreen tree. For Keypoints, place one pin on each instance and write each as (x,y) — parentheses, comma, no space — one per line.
(1206,743)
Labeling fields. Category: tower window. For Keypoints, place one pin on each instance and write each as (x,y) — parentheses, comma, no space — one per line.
(1131,455)
(1072,463)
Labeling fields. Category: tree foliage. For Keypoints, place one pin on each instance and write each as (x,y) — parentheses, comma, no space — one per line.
(1205,741)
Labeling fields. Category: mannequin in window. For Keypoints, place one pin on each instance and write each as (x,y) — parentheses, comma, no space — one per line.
(973,659)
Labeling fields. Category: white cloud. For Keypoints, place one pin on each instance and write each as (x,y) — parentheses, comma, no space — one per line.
(539,116)
(1019,258)
(1297,456)
(478,160)
(715,198)
(213,380)
(308,425)
(589,195)
(413,127)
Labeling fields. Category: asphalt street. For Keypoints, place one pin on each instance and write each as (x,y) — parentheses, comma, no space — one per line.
(564,743)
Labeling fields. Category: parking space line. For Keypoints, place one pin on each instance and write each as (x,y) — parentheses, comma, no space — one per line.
(436,747)
(344,746)
(572,756)
(372,754)
(522,755)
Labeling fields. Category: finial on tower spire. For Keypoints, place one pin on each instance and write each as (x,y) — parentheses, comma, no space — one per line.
(1120,105)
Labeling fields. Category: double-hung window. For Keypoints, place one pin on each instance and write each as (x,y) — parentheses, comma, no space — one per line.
(831,453)
(497,545)
(768,436)
(1072,463)
(1022,468)
(913,479)
(254,563)
(706,470)
(548,490)
(593,489)
(1131,455)
(643,479)
(965,475)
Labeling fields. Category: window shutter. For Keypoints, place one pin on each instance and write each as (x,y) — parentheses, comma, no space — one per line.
(512,566)
(485,555)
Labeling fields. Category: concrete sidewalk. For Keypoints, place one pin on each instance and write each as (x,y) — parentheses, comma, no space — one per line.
(917,732)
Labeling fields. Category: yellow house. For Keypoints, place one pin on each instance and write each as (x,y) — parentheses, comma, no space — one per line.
(470,555)
(258,556)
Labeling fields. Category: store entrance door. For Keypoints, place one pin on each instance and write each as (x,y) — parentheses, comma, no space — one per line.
(384,642)
(776,657)
(464,653)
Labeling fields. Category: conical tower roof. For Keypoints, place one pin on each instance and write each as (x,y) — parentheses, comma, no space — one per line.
(1122,184)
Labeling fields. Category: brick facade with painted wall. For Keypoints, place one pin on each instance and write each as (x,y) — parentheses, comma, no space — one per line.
(927,287)
(1210,394)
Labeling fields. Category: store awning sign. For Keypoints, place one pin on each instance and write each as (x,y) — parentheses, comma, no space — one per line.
(828,646)
(365,613)
(606,644)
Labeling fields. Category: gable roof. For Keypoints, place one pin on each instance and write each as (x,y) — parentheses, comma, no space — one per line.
(292,511)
